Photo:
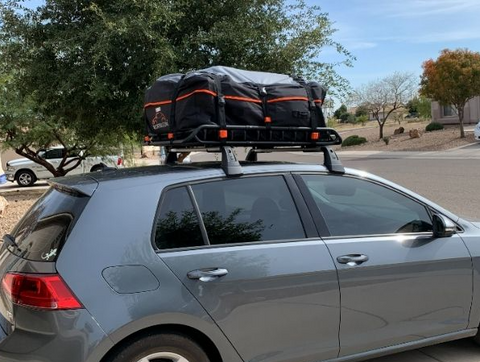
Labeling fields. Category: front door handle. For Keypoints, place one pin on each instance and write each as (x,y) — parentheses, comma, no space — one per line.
(207,275)
(352,259)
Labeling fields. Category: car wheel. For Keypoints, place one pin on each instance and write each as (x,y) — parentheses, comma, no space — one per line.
(97,168)
(161,348)
(26,178)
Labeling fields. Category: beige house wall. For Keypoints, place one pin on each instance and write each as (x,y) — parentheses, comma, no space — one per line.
(472,113)
(7,156)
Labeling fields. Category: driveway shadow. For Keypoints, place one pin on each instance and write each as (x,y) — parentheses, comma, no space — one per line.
(464,350)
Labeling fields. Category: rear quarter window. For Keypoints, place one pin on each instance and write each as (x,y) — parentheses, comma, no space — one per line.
(42,232)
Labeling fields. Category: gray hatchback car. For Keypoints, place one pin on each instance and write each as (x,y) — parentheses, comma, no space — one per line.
(279,263)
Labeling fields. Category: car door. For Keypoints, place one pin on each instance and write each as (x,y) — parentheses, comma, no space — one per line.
(264,276)
(398,283)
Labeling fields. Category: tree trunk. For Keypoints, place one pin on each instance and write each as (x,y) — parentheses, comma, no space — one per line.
(460,119)
(381,124)
(32,156)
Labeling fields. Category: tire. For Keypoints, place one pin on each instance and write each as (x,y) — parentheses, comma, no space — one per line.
(97,168)
(161,348)
(25,178)
(476,339)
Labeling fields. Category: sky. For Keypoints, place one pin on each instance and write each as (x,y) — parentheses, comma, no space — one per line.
(399,35)
(387,36)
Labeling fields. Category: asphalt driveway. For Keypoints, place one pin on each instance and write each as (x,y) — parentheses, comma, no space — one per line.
(460,351)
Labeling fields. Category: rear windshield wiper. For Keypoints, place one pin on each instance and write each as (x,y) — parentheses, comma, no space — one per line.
(10,241)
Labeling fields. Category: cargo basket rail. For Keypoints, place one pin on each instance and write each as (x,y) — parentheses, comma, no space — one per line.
(246,135)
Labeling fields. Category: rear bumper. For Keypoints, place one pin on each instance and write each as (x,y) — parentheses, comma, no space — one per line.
(55,337)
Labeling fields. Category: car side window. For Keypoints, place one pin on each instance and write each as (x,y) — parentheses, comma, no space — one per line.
(248,210)
(177,223)
(54,153)
(352,206)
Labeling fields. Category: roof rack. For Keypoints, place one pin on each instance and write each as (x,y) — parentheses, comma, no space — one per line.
(262,139)
(246,135)
(330,158)
(232,167)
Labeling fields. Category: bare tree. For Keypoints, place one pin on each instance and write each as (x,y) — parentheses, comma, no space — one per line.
(385,96)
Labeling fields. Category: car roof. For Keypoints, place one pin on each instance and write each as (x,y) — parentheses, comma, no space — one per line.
(173,174)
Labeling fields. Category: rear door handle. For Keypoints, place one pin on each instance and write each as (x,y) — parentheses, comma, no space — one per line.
(207,275)
(352,259)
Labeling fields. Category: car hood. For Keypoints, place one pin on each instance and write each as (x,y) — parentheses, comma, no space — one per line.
(476,223)
(19,162)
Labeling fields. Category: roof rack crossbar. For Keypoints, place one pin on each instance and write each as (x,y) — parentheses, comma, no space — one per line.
(230,164)
(331,160)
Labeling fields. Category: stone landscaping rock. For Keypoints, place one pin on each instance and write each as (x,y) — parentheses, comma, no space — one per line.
(399,131)
(3,206)
(414,133)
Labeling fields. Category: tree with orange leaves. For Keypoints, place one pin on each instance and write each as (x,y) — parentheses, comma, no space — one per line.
(452,79)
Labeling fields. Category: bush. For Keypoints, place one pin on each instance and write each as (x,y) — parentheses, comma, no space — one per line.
(344,117)
(362,119)
(332,122)
(351,119)
(353,141)
(434,126)
(386,140)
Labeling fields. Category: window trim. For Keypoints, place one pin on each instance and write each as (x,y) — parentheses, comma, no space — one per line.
(203,229)
(157,214)
(454,112)
(188,184)
(311,202)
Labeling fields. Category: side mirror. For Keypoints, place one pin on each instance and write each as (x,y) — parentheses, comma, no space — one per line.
(443,227)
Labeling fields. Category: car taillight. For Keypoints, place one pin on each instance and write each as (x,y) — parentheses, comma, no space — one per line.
(42,291)
(120,161)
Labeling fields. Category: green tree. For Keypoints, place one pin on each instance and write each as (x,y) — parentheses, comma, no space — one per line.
(453,79)
(82,66)
(340,111)
(412,105)
(361,110)
(424,107)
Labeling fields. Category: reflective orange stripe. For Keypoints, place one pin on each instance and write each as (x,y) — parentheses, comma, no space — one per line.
(233,98)
(195,92)
(243,99)
(156,104)
(180,98)
(285,99)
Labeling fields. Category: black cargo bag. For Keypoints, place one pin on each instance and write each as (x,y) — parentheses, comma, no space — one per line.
(223,96)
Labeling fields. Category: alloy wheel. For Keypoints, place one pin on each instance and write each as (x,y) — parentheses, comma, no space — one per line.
(25,179)
(164,356)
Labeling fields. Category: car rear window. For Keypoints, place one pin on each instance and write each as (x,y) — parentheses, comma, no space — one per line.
(41,233)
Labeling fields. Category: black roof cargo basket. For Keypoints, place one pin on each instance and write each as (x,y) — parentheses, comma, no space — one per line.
(265,136)
(262,139)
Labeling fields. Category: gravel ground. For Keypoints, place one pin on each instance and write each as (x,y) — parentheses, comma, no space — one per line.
(445,139)
(18,205)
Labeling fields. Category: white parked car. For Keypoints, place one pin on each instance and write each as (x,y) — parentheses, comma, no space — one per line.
(26,172)
(476,132)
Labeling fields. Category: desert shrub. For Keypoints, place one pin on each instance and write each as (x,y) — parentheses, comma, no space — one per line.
(386,140)
(434,126)
(331,122)
(363,119)
(353,141)
(351,119)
